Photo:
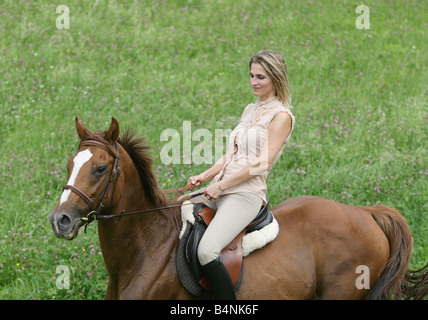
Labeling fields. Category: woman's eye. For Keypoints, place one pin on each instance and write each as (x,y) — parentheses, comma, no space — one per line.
(258,77)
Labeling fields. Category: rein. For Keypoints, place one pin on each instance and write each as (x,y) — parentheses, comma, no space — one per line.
(124,213)
(114,178)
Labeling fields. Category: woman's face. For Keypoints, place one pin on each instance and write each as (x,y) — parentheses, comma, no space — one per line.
(261,83)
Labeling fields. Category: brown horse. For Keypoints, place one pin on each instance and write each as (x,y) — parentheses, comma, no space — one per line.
(324,250)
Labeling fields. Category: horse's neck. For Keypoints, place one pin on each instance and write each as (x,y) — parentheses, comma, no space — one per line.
(136,242)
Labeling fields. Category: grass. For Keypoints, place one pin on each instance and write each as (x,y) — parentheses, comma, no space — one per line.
(359,98)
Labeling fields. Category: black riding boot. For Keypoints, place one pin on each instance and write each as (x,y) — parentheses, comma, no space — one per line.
(220,281)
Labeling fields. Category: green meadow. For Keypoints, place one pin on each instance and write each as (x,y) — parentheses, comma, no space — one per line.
(359,97)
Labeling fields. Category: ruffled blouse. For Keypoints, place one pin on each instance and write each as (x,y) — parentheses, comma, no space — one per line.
(246,143)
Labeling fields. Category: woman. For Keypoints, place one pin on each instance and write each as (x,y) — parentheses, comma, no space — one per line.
(238,186)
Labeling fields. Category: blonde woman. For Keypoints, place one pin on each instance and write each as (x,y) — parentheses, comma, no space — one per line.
(238,187)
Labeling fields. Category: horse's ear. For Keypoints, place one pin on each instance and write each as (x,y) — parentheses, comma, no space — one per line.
(113,132)
(81,130)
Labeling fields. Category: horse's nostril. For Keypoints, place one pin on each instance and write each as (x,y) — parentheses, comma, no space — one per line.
(64,222)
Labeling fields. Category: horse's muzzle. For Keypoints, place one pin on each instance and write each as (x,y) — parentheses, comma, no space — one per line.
(64,225)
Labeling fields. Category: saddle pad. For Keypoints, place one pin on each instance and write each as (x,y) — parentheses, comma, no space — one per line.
(185,272)
(252,241)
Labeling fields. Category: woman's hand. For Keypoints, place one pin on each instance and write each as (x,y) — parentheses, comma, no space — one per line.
(195,181)
(212,191)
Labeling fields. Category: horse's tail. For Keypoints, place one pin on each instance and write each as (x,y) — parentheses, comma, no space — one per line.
(396,280)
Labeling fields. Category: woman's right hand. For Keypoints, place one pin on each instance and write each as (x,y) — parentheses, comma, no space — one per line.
(195,181)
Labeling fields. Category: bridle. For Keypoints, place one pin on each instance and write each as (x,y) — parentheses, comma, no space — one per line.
(114,177)
(112,182)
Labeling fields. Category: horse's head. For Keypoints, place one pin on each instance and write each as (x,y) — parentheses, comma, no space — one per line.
(92,177)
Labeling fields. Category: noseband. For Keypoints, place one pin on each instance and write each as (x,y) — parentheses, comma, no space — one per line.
(114,177)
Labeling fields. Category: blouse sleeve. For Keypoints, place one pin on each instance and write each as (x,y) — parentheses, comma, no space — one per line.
(278,110)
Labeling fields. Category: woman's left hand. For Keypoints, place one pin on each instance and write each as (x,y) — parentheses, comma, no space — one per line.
(212,191)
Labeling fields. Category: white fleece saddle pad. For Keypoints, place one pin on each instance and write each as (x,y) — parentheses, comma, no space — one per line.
(252,241)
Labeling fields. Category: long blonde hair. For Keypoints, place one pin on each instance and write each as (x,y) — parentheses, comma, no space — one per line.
(274,65)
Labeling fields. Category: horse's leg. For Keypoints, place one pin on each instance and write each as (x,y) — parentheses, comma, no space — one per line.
(109,292)
(354,256)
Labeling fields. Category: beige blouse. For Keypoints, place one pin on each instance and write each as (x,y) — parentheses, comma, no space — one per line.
(246,142)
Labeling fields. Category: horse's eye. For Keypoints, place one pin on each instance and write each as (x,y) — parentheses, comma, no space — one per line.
(100,170)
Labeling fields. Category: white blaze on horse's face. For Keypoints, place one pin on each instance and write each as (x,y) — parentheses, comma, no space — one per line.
(79,160)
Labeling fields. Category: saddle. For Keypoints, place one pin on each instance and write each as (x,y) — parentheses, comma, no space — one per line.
(196,218)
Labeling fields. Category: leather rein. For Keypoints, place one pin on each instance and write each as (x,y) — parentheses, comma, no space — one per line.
(112,182)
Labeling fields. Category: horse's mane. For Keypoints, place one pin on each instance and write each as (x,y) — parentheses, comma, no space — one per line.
(138,151)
